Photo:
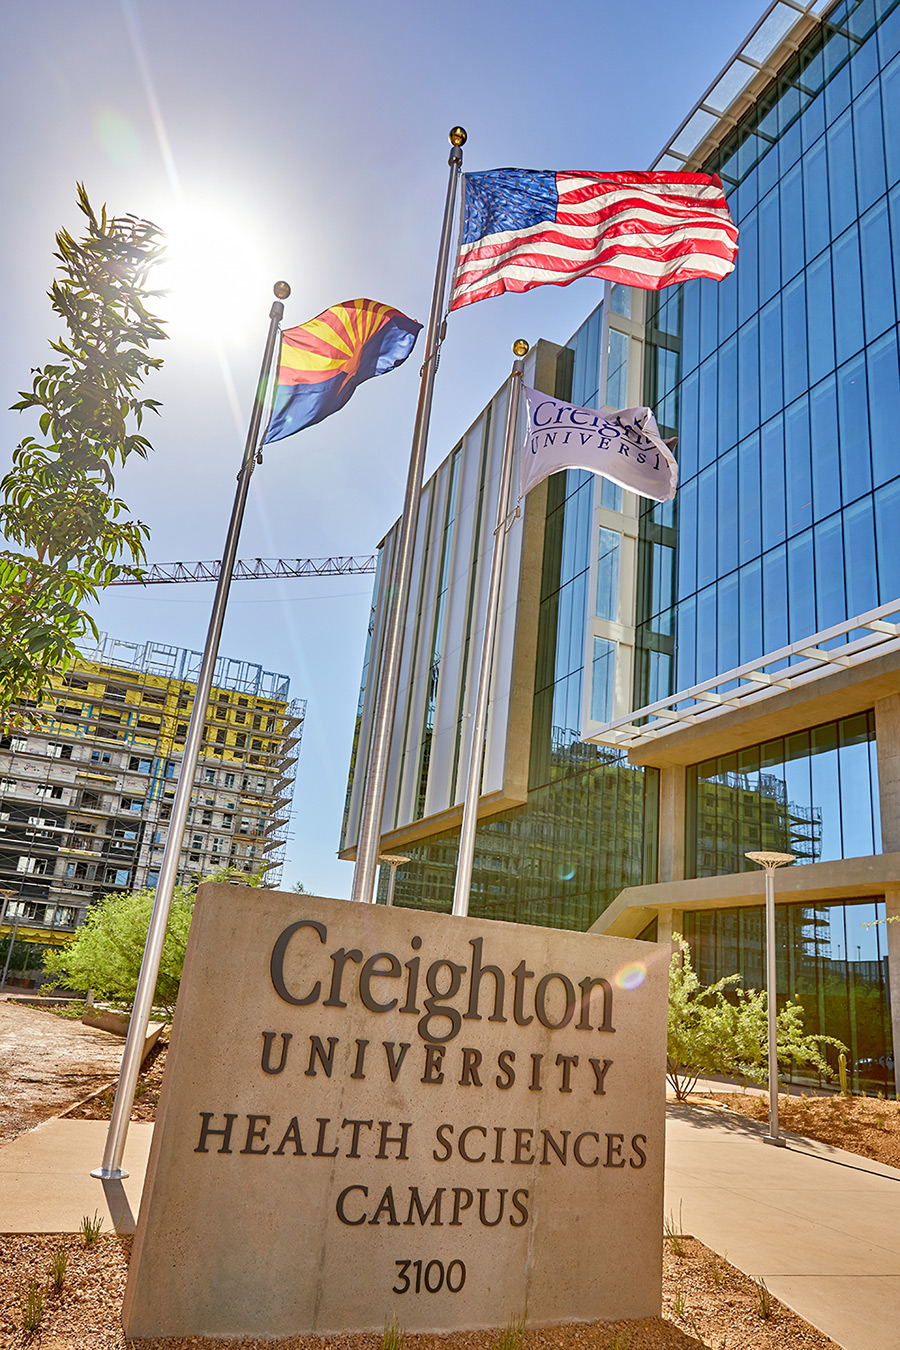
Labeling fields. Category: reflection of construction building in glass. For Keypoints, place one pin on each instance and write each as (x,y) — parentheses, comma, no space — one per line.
(557,862)
(86,789)
(738,812)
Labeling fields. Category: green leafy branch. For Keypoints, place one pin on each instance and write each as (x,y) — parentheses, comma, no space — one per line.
(71,535)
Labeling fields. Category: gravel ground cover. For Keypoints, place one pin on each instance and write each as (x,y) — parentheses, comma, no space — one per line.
(864,1125)
(706,1303)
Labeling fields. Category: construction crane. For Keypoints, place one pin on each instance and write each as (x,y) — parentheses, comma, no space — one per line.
(253,569)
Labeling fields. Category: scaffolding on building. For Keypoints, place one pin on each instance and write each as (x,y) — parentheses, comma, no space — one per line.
(86,788)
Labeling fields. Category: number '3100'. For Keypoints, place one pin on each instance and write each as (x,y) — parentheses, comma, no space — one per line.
(414,1276)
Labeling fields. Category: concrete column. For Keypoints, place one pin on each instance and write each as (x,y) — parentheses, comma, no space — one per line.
(671,822)
(669,921)
(887,742)
(892,907)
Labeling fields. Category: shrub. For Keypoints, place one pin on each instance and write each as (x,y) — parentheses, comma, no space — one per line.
(719,1029)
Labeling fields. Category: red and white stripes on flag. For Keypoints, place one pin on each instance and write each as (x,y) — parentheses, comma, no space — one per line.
(524,228)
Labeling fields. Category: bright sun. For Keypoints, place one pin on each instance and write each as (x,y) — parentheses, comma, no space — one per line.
(215,274)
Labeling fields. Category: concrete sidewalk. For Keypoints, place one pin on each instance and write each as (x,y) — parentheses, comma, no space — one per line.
(46,1184)
(820,1226)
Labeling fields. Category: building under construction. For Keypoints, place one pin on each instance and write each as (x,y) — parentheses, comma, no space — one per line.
(86,787)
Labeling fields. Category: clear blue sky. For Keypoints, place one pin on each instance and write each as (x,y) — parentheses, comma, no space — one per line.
(310,142)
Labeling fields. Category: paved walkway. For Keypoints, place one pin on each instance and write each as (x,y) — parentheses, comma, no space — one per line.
(820,1226)
(46,1184)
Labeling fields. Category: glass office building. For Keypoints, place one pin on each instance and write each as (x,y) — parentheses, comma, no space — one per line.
(782,384)
(782,381)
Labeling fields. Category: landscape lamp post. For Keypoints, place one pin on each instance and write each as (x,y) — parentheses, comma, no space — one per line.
(393,860)
(770,861)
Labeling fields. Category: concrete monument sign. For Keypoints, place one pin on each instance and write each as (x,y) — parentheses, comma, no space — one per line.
(371,1112)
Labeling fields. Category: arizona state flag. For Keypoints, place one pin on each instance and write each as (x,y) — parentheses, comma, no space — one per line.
(323,361)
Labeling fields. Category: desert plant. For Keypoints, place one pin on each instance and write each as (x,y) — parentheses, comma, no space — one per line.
(763,1301)
(393,1336)
(717,1028)
(621,1341)
(679,1303)
(842,1074)
(32,1307)
(59,1260)
(90,1228)
(512,1336)
(674,1232)
(57,502)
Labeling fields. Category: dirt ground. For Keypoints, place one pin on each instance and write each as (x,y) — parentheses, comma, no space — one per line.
(47,1063)
(706,1303)
(863,1125)
(146,1093)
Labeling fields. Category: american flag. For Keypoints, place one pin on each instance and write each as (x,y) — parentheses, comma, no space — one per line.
(527,227)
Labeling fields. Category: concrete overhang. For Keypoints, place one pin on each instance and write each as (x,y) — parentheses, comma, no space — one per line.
(809,884)
(848,690)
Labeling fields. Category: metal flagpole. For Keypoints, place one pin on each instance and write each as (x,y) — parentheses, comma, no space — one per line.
(479,726)
(111,1166)
(368,844)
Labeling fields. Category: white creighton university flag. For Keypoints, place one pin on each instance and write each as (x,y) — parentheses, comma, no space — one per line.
(624,446)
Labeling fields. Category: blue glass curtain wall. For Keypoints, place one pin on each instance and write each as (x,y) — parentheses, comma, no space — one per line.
(813,794)
(783,381)
(831,958)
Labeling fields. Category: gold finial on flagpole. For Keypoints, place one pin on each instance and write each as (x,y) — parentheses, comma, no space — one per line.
(520,348)
(458,136)
(281,290)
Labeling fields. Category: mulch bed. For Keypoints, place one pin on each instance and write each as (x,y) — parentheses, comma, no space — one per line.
(869,1126)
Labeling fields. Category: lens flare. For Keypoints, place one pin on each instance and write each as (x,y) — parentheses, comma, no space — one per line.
(118,137)
(632,976)
(565,872)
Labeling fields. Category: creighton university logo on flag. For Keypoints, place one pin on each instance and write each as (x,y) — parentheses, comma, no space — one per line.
(324,360)
(526,227)
(624,446)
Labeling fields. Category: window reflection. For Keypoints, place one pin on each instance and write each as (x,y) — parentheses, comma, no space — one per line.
(831,958)
(813,794)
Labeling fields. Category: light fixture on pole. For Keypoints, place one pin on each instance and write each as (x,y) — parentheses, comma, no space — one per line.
(770,861)
(393,860)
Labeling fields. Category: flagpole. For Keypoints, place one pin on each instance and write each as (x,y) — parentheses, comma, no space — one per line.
(368,845)
(479,725)
(111,1167)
